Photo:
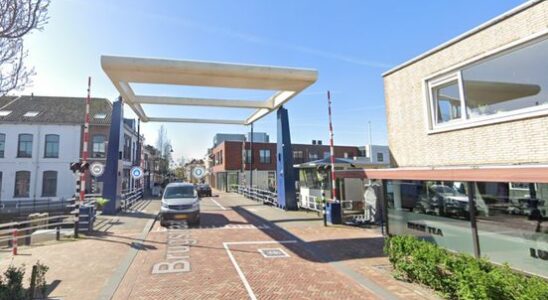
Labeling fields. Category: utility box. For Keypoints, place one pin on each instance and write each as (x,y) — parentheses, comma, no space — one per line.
(333,213)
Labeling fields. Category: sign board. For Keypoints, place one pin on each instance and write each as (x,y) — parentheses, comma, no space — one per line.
(137,172)
(97,169)
(198,172)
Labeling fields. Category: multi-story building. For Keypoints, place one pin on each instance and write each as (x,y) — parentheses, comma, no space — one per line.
(40,137)
(131,154)
(230,165)
(468,135)
(151,166)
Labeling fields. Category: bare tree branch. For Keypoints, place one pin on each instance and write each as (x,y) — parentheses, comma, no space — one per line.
(18,18)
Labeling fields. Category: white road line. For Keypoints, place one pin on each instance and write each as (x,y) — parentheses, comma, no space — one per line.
(219,205)
(238,270)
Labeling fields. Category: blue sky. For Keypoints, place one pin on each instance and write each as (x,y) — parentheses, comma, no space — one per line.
(350,43)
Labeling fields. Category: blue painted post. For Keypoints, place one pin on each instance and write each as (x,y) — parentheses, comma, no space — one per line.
(287,198)
(111,176)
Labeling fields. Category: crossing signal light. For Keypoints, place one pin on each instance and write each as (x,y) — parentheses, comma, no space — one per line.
(74,167)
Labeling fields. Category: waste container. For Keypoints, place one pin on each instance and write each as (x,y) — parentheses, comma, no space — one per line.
(333,213)
(87,217)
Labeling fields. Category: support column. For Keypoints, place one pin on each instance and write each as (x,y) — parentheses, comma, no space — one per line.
(111,177)
(284,163)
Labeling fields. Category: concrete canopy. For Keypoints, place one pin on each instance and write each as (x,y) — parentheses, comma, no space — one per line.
(287,82)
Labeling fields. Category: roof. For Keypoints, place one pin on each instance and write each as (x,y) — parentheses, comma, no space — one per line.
(355,163)
(465,35)
(179,184)
(54,110)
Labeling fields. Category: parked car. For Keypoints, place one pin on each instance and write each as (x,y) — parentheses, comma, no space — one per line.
(180,202)
(204,190)
(443,201)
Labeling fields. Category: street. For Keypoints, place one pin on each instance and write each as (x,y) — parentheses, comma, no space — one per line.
(245,250)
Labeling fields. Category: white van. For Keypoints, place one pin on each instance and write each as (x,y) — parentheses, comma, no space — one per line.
(180,202)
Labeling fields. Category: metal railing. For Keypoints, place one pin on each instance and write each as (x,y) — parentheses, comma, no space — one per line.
(312,203)
(34,205)
(131,197)
(266,197)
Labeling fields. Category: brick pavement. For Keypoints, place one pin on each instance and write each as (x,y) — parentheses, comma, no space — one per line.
(81,269)
(224,261)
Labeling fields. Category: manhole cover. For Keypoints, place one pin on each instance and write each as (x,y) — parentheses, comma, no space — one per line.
(273,253)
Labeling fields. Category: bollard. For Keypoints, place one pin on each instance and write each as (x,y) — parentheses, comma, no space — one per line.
(57,233)
(32,289)
(77,220)
(14,242)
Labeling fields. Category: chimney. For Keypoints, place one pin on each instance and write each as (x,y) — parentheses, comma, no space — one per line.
(313,142)
(319,142)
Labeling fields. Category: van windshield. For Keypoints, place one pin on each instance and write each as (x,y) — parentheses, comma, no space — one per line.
(179,192)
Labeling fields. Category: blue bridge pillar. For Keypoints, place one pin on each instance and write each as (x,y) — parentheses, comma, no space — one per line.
(287,198)
(112,184)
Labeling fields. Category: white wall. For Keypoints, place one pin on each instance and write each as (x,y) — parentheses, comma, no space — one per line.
(69,151)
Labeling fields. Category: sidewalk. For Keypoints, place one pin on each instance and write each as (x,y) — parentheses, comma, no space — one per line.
(84,268)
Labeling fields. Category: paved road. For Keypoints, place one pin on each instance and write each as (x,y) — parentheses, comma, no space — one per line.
(244,250)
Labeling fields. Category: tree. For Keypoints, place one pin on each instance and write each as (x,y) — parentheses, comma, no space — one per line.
(164,146)
(17,19)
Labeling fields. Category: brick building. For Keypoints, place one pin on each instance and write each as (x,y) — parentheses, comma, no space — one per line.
(230,165)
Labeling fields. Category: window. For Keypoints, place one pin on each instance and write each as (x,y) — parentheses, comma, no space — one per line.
(49,184)
(100,116)
(51,150)
(509,83)
(313,156)
(127,148)
(98,147)
(380,157)
(297,155)
(327,154)
(31,114)
(2,144)
(22,184)
(248,158)
(25,145)
(264,156)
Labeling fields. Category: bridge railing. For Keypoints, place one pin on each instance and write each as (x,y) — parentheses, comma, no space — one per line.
(129,198)
(254,193)
(312,203)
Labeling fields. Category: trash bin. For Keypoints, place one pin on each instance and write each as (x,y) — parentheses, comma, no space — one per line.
(87,217)
(333,212)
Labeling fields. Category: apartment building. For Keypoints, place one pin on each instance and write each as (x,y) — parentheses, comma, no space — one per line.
(40,137)
(468,136)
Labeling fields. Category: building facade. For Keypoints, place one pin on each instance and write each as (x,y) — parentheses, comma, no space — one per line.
(39,138)
(230,165)
(468,135)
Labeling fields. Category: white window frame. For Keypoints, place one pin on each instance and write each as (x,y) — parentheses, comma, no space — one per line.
(454,72)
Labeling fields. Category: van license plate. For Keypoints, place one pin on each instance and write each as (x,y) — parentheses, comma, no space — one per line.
(180,216)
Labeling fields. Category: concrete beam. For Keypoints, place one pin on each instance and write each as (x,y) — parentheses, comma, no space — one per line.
(200,102)
(202,121)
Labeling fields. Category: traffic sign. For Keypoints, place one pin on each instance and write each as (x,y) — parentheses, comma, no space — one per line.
(198,172)
(97,169)
(136,172)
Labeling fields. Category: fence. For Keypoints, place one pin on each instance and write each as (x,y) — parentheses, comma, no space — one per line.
(266,197)
(131,197)
(312,203)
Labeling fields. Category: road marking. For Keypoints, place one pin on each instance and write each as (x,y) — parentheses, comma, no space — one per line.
(238,270)
(219,205)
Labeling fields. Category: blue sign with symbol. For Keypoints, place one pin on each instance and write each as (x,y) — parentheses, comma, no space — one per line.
(136,172)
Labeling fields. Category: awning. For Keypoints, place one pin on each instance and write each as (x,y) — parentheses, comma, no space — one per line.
(538,174)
